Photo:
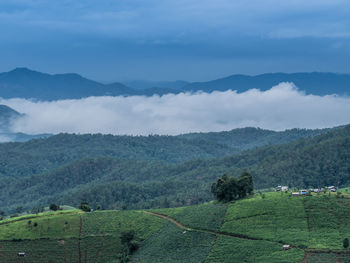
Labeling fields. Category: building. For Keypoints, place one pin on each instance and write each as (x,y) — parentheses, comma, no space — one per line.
(303,192)
(286,247)
(281,188)
(284,188)
(332,188)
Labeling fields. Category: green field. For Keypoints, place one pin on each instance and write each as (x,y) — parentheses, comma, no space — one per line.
(270,218)
(249,230)
(207,216)
(173,245)
(54,236)
(329,257)
(228,249)
(329,219)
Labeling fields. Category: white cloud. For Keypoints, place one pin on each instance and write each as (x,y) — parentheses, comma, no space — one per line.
(4,138)
(279,108)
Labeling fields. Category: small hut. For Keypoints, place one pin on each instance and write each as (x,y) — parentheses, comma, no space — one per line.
(286,247)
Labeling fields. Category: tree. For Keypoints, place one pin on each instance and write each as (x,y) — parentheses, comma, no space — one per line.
(85,207)
(54,207)
(229,188)
(346,243)
(129,243)
(19,209)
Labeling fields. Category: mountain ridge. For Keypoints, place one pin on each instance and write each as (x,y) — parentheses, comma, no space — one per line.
(30,84)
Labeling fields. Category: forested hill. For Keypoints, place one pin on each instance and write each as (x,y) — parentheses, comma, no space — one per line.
(37,156)
(112,182)
(249,138)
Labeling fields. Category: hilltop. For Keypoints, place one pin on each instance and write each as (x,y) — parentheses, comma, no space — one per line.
(249,230)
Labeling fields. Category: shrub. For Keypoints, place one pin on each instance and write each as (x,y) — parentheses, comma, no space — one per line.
(85,207)
(54,207)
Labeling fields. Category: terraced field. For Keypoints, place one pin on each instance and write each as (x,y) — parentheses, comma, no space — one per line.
(73,236)
(249,230)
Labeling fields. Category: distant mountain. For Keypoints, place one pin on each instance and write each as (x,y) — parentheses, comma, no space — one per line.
(26,83)
(21,137)
(312,83)
(144,84)
(7,117)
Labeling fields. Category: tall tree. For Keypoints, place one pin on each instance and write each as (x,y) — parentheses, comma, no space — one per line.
(229,188)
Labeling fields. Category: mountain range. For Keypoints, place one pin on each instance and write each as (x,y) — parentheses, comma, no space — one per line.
(161,171)
(26,83)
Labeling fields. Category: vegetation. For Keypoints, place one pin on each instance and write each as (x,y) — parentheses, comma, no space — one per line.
(85,207)
(207,216)
(328,221)
(228,249)
(116,182)
(270,218)
(252,229)
(227,189)
(54,207)
(173,245)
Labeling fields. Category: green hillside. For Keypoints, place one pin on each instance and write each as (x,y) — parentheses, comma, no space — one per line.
(37,156)
(114,182)
(249,138)
(249,230)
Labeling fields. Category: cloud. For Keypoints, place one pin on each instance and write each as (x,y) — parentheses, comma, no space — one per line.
(167,39)
(4,138)
(279,108)
(153,19)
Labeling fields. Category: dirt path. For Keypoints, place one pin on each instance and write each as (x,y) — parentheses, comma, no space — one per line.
(80,228)
(100,248)
(169,219)
(207,231)
(306,257)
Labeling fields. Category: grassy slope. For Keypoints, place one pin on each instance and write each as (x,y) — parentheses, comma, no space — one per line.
(207,216)
(228,249)
(56,236)
(172,245)
(278,217)
(317,222)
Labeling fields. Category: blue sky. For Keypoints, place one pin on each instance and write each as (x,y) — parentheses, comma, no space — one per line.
(193,40)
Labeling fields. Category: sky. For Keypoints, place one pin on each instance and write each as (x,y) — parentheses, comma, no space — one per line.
(193,40)
(279,108)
